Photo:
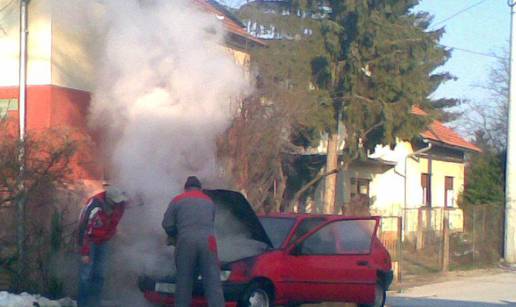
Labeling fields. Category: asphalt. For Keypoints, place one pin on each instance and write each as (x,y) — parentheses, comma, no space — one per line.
(488,289)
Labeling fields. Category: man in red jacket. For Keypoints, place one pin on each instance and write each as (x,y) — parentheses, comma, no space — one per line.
(97,225)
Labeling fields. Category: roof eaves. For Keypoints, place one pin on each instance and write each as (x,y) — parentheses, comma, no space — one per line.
(446,135)
(230,22)
(471,148)
(226,12)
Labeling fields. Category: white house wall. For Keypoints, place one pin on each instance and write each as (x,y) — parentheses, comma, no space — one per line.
(441,169)
(62,44)
(387,183)
(74,43)
(38,45)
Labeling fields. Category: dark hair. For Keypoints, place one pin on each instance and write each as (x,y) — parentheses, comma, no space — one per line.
(192,182)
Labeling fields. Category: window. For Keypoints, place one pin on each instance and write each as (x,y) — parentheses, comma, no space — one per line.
(322,242)
(305,226)
(277,228)
(341,238)
(427,191)
(8,105)
(448,192)
(359,186)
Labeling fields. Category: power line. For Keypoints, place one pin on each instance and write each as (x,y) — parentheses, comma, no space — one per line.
(458,13)
(476,52)
(7,5)
(4,8)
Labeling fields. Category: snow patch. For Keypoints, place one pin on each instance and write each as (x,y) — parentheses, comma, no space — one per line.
(27,300)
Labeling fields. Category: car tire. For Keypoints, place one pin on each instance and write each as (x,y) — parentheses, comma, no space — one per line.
(256,295)
(379,297)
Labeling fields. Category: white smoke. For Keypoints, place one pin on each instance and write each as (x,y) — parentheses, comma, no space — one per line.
(163,93)
(164,84)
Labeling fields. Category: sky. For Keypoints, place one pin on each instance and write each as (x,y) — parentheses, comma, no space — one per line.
(482,27)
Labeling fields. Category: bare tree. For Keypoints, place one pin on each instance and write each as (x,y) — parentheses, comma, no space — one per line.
(256,150)
(487,120)
(33,180)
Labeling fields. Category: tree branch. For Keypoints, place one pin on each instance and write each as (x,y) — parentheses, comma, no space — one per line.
(365,133)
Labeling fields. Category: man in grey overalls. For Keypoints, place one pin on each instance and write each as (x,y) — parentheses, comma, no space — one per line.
(190,218)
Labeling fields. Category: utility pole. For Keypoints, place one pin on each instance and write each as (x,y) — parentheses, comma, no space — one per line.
(23,66)
(510,185)
(21,197)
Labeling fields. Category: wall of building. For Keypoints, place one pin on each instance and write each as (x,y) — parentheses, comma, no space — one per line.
(241,57)
(74,47)
(39,43)
(387,186)
(440,169)
(59,51)
(52,107)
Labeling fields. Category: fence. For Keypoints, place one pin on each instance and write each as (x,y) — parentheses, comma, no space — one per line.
(390,233)
(442,239)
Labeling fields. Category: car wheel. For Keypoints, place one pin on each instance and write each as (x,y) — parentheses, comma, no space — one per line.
(256,295)
(379,297)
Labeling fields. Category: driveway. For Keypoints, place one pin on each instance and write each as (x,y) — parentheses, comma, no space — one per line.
(490,289)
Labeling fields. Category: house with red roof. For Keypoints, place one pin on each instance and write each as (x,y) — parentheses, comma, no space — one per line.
(413,178)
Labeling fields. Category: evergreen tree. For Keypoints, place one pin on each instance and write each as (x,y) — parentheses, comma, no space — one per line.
(378,62)
(363,63)
(485,180)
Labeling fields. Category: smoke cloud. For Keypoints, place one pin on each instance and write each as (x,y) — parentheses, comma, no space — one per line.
(163,92)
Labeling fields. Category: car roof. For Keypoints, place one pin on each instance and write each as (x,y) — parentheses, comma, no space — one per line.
(300,216)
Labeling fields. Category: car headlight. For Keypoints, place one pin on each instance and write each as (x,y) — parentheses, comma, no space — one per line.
(165,287)
(224,275)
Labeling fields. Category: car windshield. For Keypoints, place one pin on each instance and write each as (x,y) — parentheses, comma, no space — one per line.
(277,228)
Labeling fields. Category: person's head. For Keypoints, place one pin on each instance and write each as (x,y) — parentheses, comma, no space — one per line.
(114,196)
(192,182)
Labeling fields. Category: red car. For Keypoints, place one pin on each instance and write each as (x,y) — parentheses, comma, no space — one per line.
(289,259)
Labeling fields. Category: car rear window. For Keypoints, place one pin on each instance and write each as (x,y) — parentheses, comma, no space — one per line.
(277,228)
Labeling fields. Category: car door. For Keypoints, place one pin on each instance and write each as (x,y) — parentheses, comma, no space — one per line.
(331,263)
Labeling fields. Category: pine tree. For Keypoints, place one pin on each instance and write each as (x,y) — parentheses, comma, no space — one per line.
(365,64)
(378,62)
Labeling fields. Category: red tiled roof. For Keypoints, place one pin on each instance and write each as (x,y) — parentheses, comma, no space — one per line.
(418,111)
(230,25)
(438,132)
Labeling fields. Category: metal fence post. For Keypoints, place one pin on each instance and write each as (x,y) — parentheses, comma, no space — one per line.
(399,247)
(445,253)
(420,241)
(474,233)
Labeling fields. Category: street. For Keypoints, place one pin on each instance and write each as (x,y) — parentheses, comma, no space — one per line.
(497,289)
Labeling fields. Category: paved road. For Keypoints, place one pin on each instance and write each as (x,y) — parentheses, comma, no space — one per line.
(490,290)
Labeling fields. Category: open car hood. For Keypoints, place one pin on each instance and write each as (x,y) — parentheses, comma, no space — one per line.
(236,205)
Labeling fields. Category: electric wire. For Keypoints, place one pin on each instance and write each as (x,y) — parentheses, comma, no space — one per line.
(458,13)
(4,8)
(7,5)
(494,56)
